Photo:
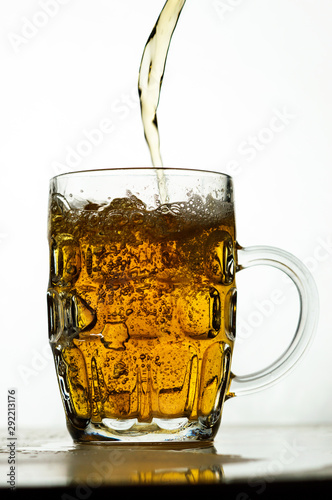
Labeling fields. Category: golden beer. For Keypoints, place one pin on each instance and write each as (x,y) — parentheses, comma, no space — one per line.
(141,310)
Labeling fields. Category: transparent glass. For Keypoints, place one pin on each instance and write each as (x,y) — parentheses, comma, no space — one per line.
(142,303)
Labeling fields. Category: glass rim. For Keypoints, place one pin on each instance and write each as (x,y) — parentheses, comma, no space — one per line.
(101,171)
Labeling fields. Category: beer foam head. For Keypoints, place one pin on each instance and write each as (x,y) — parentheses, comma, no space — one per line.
(121,217)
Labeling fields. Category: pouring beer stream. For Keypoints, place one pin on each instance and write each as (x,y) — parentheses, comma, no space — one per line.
(150,81)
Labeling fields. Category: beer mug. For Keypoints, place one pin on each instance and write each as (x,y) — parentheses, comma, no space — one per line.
(142,303)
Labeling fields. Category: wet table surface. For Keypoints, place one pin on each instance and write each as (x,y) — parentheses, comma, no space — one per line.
(244,463)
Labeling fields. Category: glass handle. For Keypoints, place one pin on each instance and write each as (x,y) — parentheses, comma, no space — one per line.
(308,317)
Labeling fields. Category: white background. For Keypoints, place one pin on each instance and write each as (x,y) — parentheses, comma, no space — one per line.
(233,66)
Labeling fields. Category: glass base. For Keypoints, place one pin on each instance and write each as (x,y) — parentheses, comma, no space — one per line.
(176,430)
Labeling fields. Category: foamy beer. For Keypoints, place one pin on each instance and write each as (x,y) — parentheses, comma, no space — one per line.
(142,303)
